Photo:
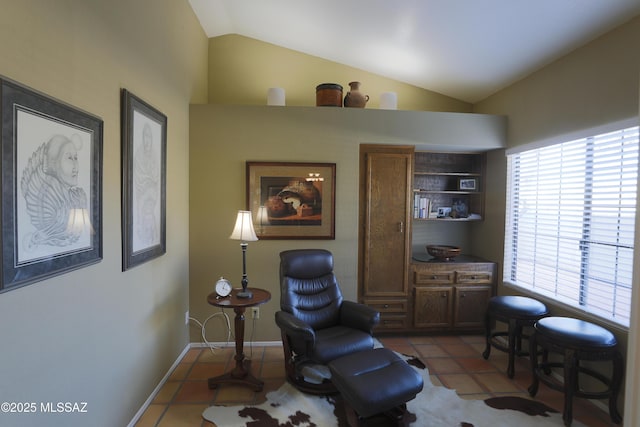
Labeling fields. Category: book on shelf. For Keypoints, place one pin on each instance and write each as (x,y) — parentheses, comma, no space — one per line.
(421,206)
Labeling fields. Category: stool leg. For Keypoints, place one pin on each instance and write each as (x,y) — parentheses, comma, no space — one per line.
(616,382)
(533,352)
(570,384)
(513,336)
(545,361)
(518,339)
(487,329)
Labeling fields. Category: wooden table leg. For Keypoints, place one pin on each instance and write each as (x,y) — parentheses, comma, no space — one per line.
(240,374)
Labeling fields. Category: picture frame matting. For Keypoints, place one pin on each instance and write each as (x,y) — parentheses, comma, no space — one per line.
(144,171)
(51,206)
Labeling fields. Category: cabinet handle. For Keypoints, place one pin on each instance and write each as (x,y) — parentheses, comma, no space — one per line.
(401,227)
(462,295)
(444,295)
(434,277)
(386,306)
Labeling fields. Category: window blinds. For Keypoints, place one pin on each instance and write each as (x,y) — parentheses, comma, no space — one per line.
(570,222)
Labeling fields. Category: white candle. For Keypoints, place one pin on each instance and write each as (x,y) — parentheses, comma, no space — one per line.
(388,101)
(275,96)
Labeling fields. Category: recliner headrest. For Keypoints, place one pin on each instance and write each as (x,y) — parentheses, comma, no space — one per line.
(306,263)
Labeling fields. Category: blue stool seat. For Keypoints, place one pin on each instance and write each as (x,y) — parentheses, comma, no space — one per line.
(518,307)
(517,312)
(576,333)
(575,340)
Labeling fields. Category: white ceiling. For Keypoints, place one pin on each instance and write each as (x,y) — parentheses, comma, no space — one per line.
(466,49)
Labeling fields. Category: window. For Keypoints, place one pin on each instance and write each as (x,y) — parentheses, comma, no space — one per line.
(570,222)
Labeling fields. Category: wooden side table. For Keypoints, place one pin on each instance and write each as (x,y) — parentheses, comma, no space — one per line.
(240,374)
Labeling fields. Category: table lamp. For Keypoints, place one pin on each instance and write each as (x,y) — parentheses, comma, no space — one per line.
(244,232)
(262,218)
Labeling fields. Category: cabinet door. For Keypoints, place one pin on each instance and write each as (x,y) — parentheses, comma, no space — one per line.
(386,223)
(433,307)
(470,306)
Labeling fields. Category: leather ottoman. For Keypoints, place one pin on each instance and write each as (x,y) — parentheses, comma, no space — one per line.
(375,382)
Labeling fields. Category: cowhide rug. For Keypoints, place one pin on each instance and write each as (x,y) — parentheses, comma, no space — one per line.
(435,406)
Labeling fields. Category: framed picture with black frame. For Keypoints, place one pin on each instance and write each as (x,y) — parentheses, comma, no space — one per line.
(144,175)
(51,205)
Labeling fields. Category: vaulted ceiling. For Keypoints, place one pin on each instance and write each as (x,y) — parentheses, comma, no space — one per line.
(465,49)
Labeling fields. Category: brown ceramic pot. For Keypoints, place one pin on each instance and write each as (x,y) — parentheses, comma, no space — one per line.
(354,98)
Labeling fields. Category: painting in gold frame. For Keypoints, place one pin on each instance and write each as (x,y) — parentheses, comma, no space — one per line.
(292,200)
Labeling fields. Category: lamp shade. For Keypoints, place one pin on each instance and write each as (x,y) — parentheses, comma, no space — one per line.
(244,228)
(263,216)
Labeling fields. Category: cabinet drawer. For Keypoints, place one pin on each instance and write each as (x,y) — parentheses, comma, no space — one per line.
(393,321)
(474,277)
(388,305)
(433,277)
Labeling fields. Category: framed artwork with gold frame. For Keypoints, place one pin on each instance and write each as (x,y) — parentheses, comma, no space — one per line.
(292,200)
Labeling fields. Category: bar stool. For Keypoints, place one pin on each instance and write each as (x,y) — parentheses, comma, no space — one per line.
(517,312)
(575,340)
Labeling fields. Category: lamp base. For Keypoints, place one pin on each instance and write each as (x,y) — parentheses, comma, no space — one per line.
(244,294)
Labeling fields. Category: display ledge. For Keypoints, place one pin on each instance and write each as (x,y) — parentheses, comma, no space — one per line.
(426,130)
(469,218)
(460,259)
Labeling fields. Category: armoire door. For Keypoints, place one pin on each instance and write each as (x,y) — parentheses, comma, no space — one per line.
(385,219)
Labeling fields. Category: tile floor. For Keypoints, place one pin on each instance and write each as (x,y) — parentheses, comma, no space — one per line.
(453,361)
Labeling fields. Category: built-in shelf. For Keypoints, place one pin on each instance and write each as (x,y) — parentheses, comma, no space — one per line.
(448,186)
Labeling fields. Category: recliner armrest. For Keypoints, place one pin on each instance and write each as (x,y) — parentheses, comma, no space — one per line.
(358,316)
(294,327)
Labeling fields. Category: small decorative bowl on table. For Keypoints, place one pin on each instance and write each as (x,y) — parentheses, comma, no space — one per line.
(443,252)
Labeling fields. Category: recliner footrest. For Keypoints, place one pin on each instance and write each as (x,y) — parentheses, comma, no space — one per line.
(375,381)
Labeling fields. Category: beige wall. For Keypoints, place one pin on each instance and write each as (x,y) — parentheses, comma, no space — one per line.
(595,85)
(106,337)
(224,137)
(242,69)
(99,335)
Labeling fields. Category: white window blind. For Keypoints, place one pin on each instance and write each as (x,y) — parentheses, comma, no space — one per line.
(570,222)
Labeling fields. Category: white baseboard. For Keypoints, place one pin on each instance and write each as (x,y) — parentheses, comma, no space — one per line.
(155,391)
(232,344)
(189,346)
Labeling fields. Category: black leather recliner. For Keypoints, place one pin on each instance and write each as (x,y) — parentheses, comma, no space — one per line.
(317,325)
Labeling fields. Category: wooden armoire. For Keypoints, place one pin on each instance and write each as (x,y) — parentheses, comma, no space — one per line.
(385,232)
